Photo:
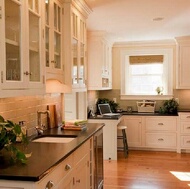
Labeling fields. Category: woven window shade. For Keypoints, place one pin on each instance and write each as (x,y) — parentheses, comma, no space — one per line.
(146,59)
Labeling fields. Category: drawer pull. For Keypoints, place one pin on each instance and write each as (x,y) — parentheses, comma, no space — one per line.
(49,185)
(160,139)
(67,167)
(160,124)
(188,141)
(188,117)
(187,127)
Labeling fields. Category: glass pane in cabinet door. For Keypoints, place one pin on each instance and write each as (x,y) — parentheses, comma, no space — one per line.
(34,56)
(47,11)
(81,68)
(12,42)
(75,60)
(47,47)
(57,50)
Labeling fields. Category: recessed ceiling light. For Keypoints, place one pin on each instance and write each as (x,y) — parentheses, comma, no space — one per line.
(158,19)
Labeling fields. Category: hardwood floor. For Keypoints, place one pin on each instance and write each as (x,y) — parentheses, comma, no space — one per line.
(148,170)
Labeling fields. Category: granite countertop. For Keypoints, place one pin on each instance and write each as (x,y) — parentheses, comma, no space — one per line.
(134,113)
(47,155)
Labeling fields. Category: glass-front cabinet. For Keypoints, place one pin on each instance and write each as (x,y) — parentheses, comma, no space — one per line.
(21,61)
(78,51)
(54,39)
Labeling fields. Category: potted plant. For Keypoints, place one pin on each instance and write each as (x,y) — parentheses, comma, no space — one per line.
(169,107)
(9,133)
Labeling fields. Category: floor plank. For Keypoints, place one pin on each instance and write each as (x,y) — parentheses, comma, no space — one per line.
(147,170)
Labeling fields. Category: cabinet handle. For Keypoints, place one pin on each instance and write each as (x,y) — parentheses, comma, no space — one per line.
(188,117)
(160,124)
(53,62)
(160,139)
(78,180)
(187,127)
(67,167)
(27,73)
(49,185)
(188,141)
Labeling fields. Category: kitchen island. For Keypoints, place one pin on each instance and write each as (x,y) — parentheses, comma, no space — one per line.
(44,167)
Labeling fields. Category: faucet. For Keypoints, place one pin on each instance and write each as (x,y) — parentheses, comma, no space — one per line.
(40,127)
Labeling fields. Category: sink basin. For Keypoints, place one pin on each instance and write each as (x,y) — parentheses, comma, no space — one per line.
(54,139)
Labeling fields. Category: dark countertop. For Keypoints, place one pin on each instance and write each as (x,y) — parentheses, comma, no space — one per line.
(134,113)
(46,155)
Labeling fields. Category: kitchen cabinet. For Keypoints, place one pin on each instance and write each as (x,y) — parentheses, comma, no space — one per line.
(22,69)
(133,131)
(184,132)
(53,18)
(73,172)
(99,61)
(75,17)
(161,132)
(183,63)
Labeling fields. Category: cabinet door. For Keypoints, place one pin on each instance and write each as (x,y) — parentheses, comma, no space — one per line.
(183,77)
(67,182)
(134,131)
(12,44)
(54,39)
(82,174)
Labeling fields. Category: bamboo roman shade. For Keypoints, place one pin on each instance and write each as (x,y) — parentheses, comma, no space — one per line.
(146,59)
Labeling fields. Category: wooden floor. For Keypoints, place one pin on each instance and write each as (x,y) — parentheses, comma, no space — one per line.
(148,170)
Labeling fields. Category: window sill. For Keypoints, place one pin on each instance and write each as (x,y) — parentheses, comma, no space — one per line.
(145,97)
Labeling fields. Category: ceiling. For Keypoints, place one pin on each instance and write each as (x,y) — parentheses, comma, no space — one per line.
(132,20)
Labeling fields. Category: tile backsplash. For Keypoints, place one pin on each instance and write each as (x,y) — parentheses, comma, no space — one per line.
(25,108)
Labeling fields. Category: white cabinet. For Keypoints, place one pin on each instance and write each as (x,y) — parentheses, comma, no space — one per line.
(109,137)
(184,135)
(53,18)
(161,132)
(73,172)
(133,131)
(99,61)
(183,63)
(22,67)
(75,47)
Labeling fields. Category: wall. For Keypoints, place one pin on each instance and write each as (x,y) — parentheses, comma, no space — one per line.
(25,108)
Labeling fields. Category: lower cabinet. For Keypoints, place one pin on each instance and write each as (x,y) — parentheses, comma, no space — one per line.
(184,133)
(133,131)
(72,173)
(161,132)
(151,132)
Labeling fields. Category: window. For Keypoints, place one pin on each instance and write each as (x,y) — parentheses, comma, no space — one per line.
(144,71)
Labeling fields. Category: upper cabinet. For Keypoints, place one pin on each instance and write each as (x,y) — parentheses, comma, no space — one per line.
(54,39)
(22,70)
(75,15)
(99,61)
(183,63)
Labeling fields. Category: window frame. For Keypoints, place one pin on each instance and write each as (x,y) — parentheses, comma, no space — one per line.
(168,72)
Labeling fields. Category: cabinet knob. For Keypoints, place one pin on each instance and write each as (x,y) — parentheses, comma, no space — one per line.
(49,185)
(27,73)
(67,167)
(160,124)
(160,139)
(78,181)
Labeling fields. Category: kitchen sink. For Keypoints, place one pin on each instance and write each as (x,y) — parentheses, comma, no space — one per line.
(54,139)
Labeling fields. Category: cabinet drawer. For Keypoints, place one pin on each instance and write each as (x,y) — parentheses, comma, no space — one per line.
(185,127)
(81,152)
(185,141)
(161,140)
(185,116)
(160,124)
(57,173)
